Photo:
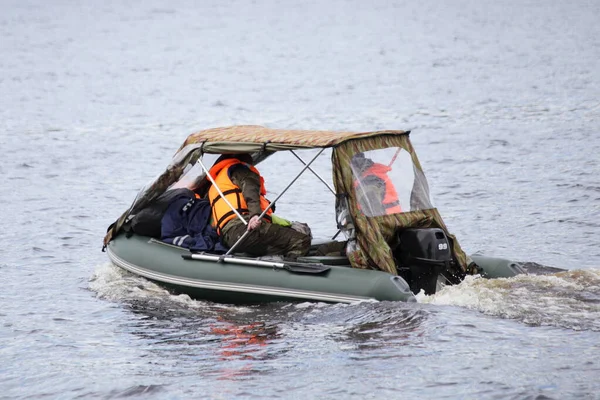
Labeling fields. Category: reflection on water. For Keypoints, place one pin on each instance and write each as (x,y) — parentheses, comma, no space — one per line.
(328,344)
(177,325)
(243,341)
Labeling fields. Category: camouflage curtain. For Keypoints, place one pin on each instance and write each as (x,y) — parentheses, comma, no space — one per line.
(373,234)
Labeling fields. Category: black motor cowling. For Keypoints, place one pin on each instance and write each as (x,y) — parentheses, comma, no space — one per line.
(421,255)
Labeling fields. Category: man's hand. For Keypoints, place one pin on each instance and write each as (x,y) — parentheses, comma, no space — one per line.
(254,223)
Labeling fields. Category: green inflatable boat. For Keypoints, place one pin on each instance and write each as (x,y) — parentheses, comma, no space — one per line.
(241,280)
(388,252)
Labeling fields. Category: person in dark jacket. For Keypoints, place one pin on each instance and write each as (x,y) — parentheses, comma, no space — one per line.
(186,223)
(181,218)
(243,187)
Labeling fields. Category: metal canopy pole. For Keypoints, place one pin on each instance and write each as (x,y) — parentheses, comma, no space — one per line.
(210,178)
(322,180)
(306,166)
(313,171)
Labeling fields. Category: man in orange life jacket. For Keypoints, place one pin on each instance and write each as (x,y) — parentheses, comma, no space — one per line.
(243,186)
(375,191)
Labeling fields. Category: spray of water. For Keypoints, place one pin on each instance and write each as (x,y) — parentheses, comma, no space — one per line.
(569,299)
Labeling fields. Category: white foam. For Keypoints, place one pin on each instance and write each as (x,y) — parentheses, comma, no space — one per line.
(567,299)
(113,283)
(116,284)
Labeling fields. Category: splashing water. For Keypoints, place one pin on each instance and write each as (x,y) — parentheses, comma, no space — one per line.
(569,299)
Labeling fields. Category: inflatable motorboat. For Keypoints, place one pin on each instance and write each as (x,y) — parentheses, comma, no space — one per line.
(395,243)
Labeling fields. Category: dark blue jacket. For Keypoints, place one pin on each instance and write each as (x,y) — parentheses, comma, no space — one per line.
(186,224)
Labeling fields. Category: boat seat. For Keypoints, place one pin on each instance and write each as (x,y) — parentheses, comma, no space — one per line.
(326,260)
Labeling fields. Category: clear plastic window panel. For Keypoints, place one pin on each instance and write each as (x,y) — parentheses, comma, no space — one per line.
(386,181)
(193,174)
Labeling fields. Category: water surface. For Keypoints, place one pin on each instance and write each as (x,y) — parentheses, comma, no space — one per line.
(502,101)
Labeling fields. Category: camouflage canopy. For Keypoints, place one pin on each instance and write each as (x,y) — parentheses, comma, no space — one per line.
(254,138)
(371,233)
(233,139)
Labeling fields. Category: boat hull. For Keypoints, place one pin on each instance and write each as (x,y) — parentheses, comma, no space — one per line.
(172,267)
(244,284)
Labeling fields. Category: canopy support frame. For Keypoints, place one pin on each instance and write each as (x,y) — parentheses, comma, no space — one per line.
(306,166)
(322,180)
(314,172)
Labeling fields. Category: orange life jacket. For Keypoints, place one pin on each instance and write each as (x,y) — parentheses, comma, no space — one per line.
(221,212)
(390,199)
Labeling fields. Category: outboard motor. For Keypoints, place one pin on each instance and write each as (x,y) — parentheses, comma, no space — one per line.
(422,255)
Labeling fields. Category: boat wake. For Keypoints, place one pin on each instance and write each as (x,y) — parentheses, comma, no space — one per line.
(114,284)
(568,299)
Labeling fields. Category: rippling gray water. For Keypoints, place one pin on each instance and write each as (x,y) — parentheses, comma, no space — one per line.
(502,98)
